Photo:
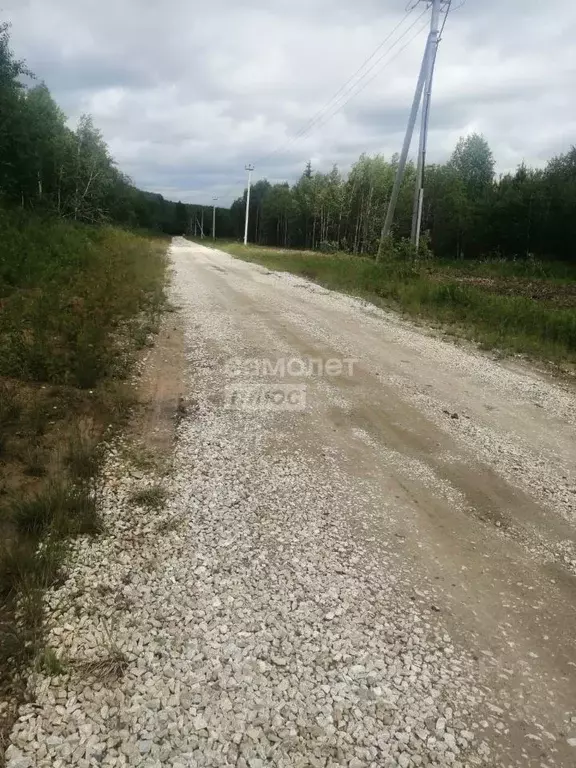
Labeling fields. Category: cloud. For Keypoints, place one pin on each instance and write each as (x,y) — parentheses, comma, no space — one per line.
(186,93)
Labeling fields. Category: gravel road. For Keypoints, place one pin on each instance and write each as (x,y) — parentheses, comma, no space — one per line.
(367,557)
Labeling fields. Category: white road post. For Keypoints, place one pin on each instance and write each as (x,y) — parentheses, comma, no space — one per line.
(214,219)
(248,168)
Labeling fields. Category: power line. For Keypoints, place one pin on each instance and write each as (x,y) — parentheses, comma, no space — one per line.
(349,88)
(448,9)
(345,89)
(423,91)
(374,76)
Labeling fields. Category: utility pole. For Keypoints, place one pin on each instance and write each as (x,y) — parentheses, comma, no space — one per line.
(421,165)
(424,82)
(248,168)
(214,219)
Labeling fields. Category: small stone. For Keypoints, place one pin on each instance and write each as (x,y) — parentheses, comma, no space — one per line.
(15,758)
(200,723)
(20,762)
(572,741)
(144,746)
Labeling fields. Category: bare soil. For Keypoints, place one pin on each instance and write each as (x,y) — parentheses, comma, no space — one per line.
(160,392)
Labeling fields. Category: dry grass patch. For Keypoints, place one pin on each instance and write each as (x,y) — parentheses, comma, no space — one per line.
(153,497)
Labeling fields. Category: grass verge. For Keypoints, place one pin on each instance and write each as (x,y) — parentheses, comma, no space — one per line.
(521,309)
(76,305)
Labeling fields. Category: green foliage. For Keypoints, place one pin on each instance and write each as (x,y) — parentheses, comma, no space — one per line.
(47,167)
(84,456)
(439,292)
(62,305)
(59,509)
(49,663)
(473,163)
(467,214)
(76,294)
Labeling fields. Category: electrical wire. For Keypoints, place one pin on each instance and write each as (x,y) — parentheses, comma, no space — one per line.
(320,118)
(347,86)
(448,9)
(367,82)
(350,88)
(355,93)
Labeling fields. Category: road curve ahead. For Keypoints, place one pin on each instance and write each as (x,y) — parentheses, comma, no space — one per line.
(374,562)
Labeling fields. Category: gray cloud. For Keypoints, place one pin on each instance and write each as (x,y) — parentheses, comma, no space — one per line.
(186,93)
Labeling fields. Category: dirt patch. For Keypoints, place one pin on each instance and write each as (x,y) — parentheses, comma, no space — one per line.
(160,391)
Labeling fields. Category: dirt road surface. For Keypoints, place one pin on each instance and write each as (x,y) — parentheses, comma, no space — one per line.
(367,557)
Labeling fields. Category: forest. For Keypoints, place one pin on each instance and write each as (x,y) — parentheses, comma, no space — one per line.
(49,169)
(469,213)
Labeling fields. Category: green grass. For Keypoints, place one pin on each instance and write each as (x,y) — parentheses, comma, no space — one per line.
(76,305)
(49,663)
(84,455)
(71,295)
(59,509)
(436,293)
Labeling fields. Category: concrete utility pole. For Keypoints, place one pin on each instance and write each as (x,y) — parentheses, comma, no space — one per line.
(248,168)
(421,166)
(424,81)
(214,219)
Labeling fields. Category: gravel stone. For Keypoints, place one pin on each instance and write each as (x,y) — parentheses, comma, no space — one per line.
(260,630)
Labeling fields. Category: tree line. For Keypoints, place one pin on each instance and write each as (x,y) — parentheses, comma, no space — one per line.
(48,168)
(468,211)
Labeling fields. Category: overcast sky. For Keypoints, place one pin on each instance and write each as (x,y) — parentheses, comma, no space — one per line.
(187,92)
